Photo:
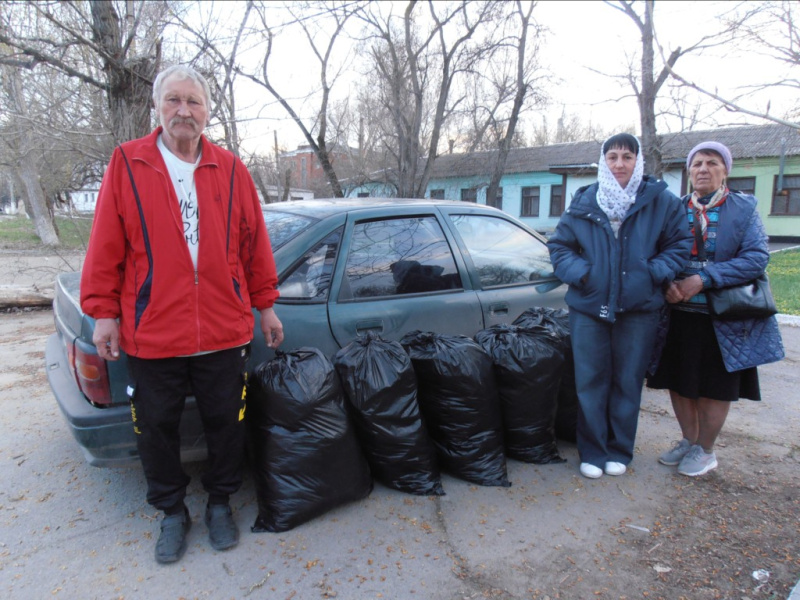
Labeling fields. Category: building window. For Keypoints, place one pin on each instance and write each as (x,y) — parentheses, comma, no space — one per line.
(746,185)
(363,194)
(787,201)
(530,201)
(437,194)
(498,199)
(556,200)
(469,195)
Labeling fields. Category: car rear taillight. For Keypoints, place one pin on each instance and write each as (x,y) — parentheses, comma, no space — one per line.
(91,373)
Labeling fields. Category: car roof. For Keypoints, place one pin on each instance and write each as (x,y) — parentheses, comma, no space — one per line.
(323,207)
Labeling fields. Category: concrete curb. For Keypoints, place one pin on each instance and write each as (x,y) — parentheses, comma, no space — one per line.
(790,320)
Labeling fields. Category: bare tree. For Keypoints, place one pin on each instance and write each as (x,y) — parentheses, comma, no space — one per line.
(217,56)
(88,44)
(25,163)
(773,30)
(522,84)
(322,24)
(119,57)
(647,83)
(417,58)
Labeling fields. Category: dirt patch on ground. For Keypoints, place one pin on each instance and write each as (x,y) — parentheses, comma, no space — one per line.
(714,529)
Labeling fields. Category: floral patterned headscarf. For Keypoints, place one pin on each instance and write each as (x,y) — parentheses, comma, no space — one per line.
(613,200)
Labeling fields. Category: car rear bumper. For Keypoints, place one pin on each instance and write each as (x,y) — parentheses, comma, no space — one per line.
(106,434)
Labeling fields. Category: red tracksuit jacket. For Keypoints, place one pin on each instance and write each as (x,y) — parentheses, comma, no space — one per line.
(138,267)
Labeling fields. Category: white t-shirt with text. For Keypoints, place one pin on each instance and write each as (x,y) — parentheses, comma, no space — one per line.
(182,175)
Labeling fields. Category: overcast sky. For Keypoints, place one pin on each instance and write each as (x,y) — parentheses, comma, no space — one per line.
(587,36)
(585,39)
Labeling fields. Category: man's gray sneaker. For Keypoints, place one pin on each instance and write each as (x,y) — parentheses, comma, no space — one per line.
(222,530)
(697,462)
(675,455)
(171,542)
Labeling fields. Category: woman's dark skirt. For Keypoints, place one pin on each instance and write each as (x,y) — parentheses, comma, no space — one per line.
(691,363)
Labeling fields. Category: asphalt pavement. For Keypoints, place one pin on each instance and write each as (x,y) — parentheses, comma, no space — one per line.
(68,530)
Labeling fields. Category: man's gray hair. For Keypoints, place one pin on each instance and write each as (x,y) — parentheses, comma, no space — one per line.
(180,72)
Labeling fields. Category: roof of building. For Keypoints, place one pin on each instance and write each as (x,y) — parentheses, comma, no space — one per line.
(748,141)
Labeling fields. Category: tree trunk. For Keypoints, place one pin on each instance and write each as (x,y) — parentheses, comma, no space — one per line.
(130,82)
(26,167)
(519,99)
(651,145)
(37,204)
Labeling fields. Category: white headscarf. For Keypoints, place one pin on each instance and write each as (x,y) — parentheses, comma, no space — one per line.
(613,200)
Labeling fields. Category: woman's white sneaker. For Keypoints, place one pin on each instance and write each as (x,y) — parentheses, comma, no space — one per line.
(590,471)
(615,468)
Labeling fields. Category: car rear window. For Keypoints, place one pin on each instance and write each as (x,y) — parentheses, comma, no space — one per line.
(503,252)
(283,226)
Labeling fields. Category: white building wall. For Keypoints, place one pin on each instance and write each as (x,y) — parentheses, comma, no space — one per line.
(84,200)
(574,183)
(674,179)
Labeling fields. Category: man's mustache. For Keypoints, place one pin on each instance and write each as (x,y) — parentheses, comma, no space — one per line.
(184,121)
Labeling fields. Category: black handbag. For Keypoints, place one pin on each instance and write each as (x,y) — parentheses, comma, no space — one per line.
(751,300)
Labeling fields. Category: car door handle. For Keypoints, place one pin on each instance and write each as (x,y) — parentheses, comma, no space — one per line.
(373,325)
(498,309)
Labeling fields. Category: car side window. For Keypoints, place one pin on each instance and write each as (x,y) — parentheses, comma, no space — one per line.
(311,277)
(503,253)
(399,256)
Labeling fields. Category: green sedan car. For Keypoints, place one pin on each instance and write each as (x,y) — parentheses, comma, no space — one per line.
(346,267)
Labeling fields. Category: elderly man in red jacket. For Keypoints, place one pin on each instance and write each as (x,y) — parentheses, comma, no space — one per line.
(178,256)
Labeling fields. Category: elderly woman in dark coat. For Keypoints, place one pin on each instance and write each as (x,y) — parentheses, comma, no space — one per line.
(708,363)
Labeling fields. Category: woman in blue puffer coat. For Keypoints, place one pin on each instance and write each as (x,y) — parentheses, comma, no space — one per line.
(618,246)
(708,363)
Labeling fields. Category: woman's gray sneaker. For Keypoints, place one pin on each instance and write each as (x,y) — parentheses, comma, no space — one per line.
(697,462)
(675,455)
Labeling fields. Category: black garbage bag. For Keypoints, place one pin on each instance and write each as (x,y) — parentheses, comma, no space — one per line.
(460,406)
(306,457)
(557,322)
(380,384)
(527,368)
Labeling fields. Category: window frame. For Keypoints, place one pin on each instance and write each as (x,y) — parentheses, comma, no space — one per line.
(560,200)
(469,192)
(785,198)
(524,197)
(498,200)
(750,191)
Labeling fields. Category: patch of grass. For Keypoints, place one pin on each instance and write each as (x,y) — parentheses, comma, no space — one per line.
(784,278)
(18,233)
(74,231)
